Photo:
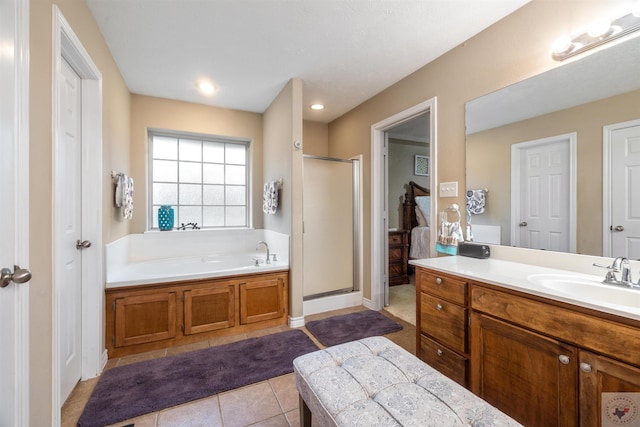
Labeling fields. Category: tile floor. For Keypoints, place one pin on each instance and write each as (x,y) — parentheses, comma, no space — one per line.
(271,403)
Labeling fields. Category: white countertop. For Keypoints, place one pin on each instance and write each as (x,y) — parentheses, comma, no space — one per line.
(515,276)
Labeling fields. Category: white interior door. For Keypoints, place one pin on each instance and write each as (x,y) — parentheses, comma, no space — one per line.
(543,216)
(69,215)
(14,239)
(625,192)
(328,239)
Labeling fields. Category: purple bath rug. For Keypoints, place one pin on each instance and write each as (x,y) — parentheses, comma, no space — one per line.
(140,388)
(353,326)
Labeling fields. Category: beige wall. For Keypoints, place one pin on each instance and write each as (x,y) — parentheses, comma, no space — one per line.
(158,113)
(115,140)
(283,125)
(316,138)
(509,51)
(489,159)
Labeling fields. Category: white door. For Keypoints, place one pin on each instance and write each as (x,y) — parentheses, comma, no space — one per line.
(328,214)
(625,192)
(14,334)
(543,218)
(69,223)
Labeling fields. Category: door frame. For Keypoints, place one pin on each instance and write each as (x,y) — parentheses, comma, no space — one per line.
(379,202)
(66,44)
(516,150)
(18,66)
(607,141)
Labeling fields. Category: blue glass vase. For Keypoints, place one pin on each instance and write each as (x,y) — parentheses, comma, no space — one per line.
(165,218)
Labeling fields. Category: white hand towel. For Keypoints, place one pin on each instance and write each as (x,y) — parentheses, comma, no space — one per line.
(127,198)
(476,200)
(270,197)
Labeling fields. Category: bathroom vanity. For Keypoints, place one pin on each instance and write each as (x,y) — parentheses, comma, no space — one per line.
(539,354)
(152,316)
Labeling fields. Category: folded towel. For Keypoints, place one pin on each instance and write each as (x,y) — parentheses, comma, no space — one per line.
(270,197)
(476,200)
(128,199)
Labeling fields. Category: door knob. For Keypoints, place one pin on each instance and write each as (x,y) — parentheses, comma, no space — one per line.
(83,245)
(19,275)
(618,228)
(523,224)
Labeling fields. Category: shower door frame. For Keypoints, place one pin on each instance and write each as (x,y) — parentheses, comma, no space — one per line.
(356,224)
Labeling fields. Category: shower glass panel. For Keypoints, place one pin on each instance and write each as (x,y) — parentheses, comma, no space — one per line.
(330,197)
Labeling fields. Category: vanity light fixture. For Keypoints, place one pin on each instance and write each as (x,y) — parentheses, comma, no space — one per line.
(205,87)
(599,32)
(317,107)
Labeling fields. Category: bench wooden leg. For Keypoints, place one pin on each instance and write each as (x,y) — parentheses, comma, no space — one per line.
(305,413)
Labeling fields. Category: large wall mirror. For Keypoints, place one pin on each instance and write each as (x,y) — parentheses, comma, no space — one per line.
(539,156)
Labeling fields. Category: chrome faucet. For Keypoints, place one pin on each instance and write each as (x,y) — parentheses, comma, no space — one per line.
(619,265)
(262,242)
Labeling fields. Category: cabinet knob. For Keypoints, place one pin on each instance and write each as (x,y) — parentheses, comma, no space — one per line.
(439,352)
(585,367)
(438,280)
(563,359)
(439,307)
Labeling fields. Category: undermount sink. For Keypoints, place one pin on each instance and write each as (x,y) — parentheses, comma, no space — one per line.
(586,288)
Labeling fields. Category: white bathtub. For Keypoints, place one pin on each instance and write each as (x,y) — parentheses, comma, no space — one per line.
(162,257)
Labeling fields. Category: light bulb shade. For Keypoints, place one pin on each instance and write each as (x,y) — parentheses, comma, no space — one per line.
(599,27)
(562,45)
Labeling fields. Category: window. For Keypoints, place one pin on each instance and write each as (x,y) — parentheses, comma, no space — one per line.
(205,179)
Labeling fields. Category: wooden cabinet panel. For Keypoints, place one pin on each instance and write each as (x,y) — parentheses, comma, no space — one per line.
(568,325)
(398,257)
(444,321)
(209,309)
(444,360)
(442,285)
(261,300)
(528,376)
(599,374)
(145,318)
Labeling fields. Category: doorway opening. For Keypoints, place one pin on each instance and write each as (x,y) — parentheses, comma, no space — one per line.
(380,195)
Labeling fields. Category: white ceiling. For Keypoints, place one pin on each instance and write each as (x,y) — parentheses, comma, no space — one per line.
(345,51)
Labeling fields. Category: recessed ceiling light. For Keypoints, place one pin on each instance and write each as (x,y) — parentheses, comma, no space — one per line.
(317,107)
(206,87)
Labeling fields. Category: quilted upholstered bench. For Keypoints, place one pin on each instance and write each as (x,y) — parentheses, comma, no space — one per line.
(374,382)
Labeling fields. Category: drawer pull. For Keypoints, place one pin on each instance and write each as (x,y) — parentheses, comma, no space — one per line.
(438,280)
(439,307)
(439,352)
(585,367)
(563,359)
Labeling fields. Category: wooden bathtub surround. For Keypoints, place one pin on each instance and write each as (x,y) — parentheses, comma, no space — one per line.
(148,317)
(543,362)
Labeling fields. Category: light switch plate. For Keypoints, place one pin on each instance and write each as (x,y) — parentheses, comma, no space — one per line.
(449,189)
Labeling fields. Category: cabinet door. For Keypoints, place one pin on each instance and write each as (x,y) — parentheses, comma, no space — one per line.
(145,318)
(528,376)
(261,300)
(208,309)
(598,375)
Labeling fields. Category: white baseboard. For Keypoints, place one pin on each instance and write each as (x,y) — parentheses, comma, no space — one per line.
(333,302)
(296,322)
(103,360)
(367,303)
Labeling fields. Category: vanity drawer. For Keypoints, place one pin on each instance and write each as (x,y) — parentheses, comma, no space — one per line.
(444,321)
(443,286)
(444,360)
(575,327)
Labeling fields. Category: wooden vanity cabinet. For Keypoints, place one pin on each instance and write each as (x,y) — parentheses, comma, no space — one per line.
(599,374)
(148,317)
(546,363)
(442,318)
(521,372)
